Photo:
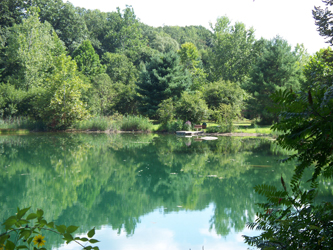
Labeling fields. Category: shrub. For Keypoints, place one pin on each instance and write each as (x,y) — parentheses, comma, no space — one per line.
(171,126)
(166,111)
(191,107)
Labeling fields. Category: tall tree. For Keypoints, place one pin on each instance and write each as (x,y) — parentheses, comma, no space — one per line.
(66,21)
(87,60)
(161,79)
(120,68)
(30,52)
(191,61)
(231,55)
(58,104)
(276,68)
(12,12)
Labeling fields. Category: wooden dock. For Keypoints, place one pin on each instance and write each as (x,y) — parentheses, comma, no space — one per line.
(189,132)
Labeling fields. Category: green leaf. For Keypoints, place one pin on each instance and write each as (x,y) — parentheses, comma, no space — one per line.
(40,212)
(82,239)
(42,223)
(95,248)
(93,241)
(22,212)
(32,216)
(29,240)
(71,229)
(91,233)
(10,222)
(10,245)
(68,237)
(3,238)
(25,233)
(23,222)
(61,229)
(50,225)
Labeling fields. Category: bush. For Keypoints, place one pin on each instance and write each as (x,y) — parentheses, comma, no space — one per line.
(135,123)
(191,107)
(171,126)
(166,111)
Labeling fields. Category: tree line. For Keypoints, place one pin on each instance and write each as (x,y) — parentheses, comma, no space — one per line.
(60,64)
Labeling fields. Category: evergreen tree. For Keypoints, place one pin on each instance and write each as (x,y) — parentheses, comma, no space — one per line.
(161,79)
(276,68)
(87,60)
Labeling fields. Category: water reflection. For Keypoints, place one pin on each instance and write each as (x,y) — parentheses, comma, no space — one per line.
(116,182)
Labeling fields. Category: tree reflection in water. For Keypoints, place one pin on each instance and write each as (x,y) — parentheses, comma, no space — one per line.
(98,179)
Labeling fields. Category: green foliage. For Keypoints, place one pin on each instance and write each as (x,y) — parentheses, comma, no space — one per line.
(190,59)
(161,79)
(189,55)
(100,97)
(171,126)
(290,220)
(135,123)
(66,21)
(318,70)
(200,36)
(224,115)
(96,123)
(166,111)
(30,52)
(164,43)
(232,55)
(276,69)
(10,100)
(58,104)
(191,107)
(87,60)
(225,92)
(306,121)
(323,20)
(12,12)
(120,68)
(28,230)
(22,123)
(123,33)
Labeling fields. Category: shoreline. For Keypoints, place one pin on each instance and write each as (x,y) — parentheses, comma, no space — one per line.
(25,132)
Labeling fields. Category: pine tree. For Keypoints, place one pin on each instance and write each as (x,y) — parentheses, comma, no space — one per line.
(161,79)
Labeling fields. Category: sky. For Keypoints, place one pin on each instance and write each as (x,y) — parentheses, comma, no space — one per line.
(290,19)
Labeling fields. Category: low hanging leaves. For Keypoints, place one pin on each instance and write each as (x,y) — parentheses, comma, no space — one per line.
(29,229)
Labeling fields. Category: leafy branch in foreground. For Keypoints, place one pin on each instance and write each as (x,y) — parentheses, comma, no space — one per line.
(292,221)
(27,230)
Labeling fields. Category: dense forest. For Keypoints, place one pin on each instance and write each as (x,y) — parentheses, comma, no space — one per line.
(60,64)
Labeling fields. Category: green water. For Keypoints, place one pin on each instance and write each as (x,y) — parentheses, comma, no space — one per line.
(142,191)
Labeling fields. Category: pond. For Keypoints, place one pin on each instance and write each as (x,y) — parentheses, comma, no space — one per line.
(142,191)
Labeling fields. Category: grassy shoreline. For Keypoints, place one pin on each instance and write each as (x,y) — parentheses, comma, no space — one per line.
(130,124)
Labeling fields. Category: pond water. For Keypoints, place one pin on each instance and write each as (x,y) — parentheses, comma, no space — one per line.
(142,191)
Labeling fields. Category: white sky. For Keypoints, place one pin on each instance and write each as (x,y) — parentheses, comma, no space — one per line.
(291,19)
